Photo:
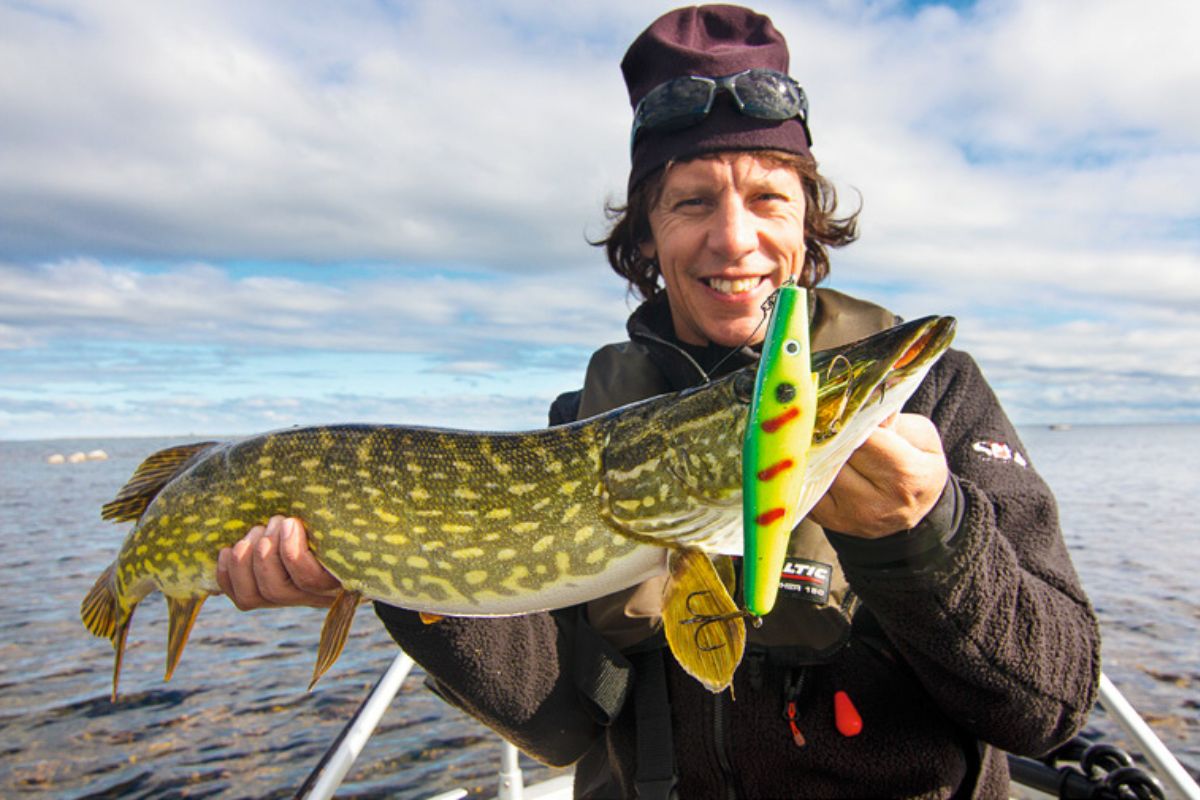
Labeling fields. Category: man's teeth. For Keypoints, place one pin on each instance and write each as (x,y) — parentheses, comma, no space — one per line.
(733,287)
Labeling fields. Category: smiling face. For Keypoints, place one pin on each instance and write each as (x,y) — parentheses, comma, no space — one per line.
(728,230)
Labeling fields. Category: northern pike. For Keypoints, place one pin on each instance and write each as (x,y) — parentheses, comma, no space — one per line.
(463,523)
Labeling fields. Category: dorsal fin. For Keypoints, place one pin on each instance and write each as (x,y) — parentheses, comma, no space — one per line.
(148,479)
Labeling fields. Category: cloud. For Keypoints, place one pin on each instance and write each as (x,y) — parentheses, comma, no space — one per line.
(276,200)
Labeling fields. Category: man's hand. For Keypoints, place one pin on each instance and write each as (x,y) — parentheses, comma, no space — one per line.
(890,483)
(272,566)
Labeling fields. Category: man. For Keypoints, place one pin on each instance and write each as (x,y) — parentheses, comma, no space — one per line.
(952,626)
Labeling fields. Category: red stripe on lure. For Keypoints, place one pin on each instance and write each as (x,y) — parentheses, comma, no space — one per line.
(775,451)
(775,423)
(775,469)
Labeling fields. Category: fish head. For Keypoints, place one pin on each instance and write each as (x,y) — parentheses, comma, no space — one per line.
(862,384)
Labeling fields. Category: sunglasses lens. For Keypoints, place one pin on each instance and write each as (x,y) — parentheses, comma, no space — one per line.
(676,104)
(768,95)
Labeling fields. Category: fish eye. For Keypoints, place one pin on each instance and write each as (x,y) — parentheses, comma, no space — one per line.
(743,386)
(791,347)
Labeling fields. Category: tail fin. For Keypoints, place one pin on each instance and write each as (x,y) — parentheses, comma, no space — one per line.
(149,479)
(101,614)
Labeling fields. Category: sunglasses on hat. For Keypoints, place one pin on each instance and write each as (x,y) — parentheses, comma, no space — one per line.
(683,102)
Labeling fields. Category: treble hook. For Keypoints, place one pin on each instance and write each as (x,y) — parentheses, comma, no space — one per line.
(841,409)
(702,621)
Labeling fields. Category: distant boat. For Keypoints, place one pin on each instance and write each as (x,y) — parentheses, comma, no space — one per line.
(1060,426)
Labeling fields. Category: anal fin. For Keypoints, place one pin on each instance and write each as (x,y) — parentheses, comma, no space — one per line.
(705,629)
(181,615)
(334,632)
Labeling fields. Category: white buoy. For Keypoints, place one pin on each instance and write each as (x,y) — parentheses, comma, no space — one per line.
(97,455)
(57,458)
(77,458)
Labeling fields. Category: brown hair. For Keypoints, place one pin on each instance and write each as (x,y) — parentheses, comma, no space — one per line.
(631,224)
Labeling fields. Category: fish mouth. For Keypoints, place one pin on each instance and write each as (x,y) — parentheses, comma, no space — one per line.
(884,370)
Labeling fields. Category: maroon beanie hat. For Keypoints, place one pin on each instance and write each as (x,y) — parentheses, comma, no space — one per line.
(711,41)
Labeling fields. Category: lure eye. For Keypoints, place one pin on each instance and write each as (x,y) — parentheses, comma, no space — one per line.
(791,347)
(743,386)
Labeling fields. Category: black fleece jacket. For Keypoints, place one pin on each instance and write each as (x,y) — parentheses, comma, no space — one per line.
(984,643)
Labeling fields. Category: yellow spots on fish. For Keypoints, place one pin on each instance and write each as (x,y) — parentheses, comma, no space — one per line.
(345,535)
(420,530)
(235,524)
(501,467)
(540,504)
(213,537)
(383,577)
(317,489)
(353,507)
(359,522)
(191,519)
(554,466)
(562,560)
(386,516)
(418,494)
(325,513)
(310,463)
(413,467)
(467,552)
(141,550)
(264,461)
(372,536)
(212,522)
(568,487)
(628,505)
(263,474)
(395,539)
(390,559)
(596,556)
(223,500)
(299,505)
(270,494)
(491,537)
(498,513)
(571,513)
(476,576)
(362,555)
(522,488)
(543,544)
(428,512)
(463,466)
(417,562)
(362,473)
(463,493)
(247,506)
(336,556)
(525,527)
(513,581)
(456,529)
(506,554)
(192,538)
(584,533)
(648,501)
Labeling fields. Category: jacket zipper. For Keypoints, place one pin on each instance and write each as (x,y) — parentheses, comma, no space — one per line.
(721,745)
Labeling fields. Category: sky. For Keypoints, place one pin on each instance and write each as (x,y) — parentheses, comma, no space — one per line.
(223,217)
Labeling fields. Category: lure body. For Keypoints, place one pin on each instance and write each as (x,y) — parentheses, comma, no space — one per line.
(778,436)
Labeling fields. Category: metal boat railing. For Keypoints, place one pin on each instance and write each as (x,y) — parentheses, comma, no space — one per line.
(1067,781)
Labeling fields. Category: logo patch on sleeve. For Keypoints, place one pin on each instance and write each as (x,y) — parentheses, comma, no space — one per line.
(998,451)
(806,579)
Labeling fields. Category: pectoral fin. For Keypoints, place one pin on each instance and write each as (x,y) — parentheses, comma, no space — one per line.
(704,627)
(181,615)
(334,632)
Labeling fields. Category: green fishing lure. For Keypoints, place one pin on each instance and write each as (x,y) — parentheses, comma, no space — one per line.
(775,452)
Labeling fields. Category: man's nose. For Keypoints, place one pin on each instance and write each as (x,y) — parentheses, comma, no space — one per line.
(734,233)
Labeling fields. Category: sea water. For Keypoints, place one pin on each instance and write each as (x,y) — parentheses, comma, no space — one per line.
(236,721)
